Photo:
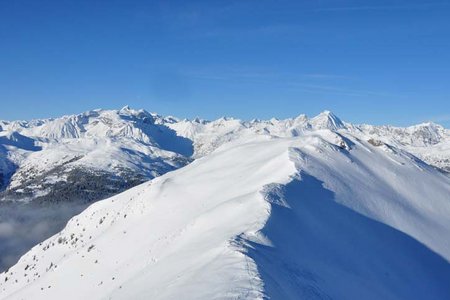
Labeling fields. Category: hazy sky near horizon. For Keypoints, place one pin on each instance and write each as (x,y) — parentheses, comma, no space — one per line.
(379,62)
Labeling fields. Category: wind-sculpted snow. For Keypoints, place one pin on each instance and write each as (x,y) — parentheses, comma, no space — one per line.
(321,249)
(317,216)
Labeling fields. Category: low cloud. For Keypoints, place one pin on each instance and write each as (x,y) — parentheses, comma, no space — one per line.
(24,225)
(6,230)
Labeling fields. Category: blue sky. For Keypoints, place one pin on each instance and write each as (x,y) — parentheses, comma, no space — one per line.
(380,62)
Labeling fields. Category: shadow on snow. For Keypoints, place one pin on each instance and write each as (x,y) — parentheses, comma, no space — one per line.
(324,250)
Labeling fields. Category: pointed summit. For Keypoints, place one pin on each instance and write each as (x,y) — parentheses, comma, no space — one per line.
(126,110)
(326,120)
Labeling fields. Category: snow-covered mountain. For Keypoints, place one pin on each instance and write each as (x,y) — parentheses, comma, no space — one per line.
(40,155)
(285,209)
(324,215)
(52,169)
(43,155)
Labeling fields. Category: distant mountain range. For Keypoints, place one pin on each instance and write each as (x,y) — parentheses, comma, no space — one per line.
(245,198)
(101,152)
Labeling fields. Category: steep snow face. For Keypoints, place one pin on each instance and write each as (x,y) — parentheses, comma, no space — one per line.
(322,215)
(327,120)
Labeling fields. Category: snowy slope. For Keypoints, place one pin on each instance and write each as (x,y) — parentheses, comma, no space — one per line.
(37,155)
(428,141)
(322,215)
(123,142)
(52,169)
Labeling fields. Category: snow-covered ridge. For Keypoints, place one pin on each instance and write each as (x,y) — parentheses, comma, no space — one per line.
(51,169)
(98,123)
(37,154)
(129,141)
(77,159)
(324,215)
(140,125)
(428,141)
(136,124)
(99,139)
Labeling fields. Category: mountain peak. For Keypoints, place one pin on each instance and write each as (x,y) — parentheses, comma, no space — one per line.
(327,120)
(429,124)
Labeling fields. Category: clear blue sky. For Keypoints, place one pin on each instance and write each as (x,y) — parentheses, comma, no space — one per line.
(380,62)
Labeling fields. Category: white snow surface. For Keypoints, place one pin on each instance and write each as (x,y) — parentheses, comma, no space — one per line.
(105,140)
(149,144)
(305,210)
(428,141)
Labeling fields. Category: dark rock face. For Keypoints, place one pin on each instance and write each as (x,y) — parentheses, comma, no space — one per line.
(375,143)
